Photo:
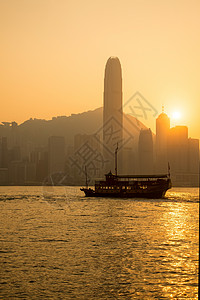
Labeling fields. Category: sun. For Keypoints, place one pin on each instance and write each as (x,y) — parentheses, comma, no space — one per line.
(176,115)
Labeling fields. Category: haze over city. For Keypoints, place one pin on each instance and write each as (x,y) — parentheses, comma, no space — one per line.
(99,149)
(53,56)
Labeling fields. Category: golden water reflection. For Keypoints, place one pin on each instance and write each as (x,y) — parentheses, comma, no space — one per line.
(180,249)
(75,248)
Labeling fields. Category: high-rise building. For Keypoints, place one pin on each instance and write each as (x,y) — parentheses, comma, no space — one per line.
(145,151)
(42,166)
(193,161)
(112,110)
(91,140)
(193,155)
(162,134)
(178,149)
(182,154)
(17,172)
(88,155)
(56,154)
(130,163)
(3,161)
(3,152)
(113,90)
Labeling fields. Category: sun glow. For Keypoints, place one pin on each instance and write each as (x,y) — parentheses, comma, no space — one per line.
(176,115)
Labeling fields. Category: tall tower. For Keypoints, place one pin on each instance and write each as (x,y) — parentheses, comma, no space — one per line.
(113,90)
(178,149)
(162,135)
(112,111)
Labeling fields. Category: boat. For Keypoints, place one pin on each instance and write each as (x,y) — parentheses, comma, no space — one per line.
(129,186)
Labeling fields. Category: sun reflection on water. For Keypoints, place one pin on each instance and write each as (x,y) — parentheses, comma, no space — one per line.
(180,249)
(69,246)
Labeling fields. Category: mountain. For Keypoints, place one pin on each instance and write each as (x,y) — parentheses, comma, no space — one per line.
(37,131)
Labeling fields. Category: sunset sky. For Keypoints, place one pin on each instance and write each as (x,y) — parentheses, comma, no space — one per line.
(53,55)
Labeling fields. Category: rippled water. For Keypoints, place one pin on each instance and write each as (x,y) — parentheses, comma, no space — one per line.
(57,244)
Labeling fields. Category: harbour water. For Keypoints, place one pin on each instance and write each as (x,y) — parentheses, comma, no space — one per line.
(57,244)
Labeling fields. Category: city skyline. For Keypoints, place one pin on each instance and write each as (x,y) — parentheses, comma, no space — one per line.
(52,60)
(99,149)
(31,158)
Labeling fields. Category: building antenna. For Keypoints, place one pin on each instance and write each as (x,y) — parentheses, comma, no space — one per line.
(162,108)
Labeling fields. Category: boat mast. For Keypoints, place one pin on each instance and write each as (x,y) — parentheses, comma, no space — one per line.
(86,180)
(168,170)
(116,159)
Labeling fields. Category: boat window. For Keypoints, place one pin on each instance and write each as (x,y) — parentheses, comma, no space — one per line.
(143,187)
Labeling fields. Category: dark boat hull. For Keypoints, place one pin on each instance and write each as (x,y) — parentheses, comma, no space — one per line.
(153,193)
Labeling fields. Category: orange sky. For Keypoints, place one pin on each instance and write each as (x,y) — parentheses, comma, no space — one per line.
(53,55)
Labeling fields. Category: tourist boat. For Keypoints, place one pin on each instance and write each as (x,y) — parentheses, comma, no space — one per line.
(129,186)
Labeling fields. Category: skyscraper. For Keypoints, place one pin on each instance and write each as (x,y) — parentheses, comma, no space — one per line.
(3,152)
(113,90)
(182,154)
(178,149)
(162,135)
(112,110)
(145,151)
(193,161)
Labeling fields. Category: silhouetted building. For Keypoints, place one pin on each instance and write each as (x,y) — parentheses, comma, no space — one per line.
(193,161)
(30,173)
(14,139)
(130,165)
(3,153)
(17,172)
(4,176)
(183,156)
(80,140)
(162,135)
(15,153)
(178,149)
(145,152)
(3,161)
(56,154)
(42,167)
(87,153)
(173,146)
(112,111)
